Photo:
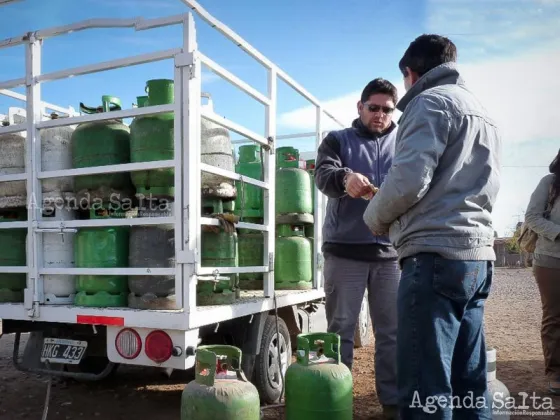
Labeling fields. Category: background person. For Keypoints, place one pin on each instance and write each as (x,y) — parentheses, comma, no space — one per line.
(546,266)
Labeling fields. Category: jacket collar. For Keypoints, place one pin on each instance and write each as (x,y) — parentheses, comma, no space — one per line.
(362,131)
(444,74)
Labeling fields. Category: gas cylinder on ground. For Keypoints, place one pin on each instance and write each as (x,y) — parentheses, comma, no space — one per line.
(249,201)
(100,143)
(58,248)
(220,390)
(497,391)
(215,150)
(102,247)
(55,155)
(13,245)
(153,247)
(293,263)
(318,385)
(251,254)
(219,248)
(293,188)
(152,138)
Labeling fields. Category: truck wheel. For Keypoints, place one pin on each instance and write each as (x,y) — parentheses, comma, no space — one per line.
(361,336)
(266,376)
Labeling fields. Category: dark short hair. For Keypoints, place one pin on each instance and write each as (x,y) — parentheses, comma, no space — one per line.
(382,86)
(427,52)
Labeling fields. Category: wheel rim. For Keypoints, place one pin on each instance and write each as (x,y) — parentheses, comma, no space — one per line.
(363,318)
(274,377)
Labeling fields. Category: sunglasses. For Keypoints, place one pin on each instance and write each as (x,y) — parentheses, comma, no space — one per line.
(376,108)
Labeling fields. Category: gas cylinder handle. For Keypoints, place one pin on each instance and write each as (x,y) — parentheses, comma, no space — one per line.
(108,103)
(328,342)
(208,356)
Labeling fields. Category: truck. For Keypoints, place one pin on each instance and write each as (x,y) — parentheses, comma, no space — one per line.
(74,338)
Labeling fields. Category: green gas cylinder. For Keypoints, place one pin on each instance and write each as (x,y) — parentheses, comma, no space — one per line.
(101,143)
(249,200)
(319,386)
(12,243)
(102,247)
(293,264)
(151,138)
(293,189)
(220,390)
(251,254)
(287,157)
(219,248)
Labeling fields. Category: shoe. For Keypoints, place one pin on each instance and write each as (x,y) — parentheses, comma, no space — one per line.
(390,412)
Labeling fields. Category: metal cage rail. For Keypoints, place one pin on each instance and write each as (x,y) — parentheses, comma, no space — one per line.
(187,219)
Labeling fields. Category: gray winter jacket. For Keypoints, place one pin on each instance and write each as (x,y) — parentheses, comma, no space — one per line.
(548,229)
(439,193)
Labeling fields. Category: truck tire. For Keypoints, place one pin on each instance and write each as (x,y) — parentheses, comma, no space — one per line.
(361,335)
(266,377)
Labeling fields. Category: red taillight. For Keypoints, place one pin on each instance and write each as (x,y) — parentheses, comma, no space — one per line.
(128,344)
(159,346)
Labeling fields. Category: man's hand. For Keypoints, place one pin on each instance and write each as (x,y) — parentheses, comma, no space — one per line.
(357,185)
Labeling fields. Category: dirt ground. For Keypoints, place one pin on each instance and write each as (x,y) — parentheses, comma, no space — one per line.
(512,325)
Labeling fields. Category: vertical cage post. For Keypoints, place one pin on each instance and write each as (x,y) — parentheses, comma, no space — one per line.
(270,178)
(179,230)
(34,199)
(318,210)
(191,79)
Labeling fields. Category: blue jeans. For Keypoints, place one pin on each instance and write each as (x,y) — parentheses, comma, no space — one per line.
(441,349)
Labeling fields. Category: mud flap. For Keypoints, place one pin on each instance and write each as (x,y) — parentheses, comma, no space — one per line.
(31,361)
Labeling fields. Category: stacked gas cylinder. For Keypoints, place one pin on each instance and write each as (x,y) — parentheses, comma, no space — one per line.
(219,246)
(294,201)
(56,193)
(102,196)
(147,193)
(144,193)
(152,138)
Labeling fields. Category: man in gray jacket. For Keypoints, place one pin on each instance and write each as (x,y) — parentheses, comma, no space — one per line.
(436,204)
(348,161)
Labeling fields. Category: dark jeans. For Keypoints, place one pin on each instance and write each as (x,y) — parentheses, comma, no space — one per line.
(441,349)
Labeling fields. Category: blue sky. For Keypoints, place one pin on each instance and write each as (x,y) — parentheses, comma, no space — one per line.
(508,51)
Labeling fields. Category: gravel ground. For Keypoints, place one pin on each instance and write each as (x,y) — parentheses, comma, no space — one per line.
(512,324)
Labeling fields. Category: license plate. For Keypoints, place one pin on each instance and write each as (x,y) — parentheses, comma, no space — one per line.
(59,350)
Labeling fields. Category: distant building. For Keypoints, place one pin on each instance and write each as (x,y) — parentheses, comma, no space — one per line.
(504,258)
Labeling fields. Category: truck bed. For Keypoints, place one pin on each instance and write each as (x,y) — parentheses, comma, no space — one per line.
(187,218)
(249,302)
